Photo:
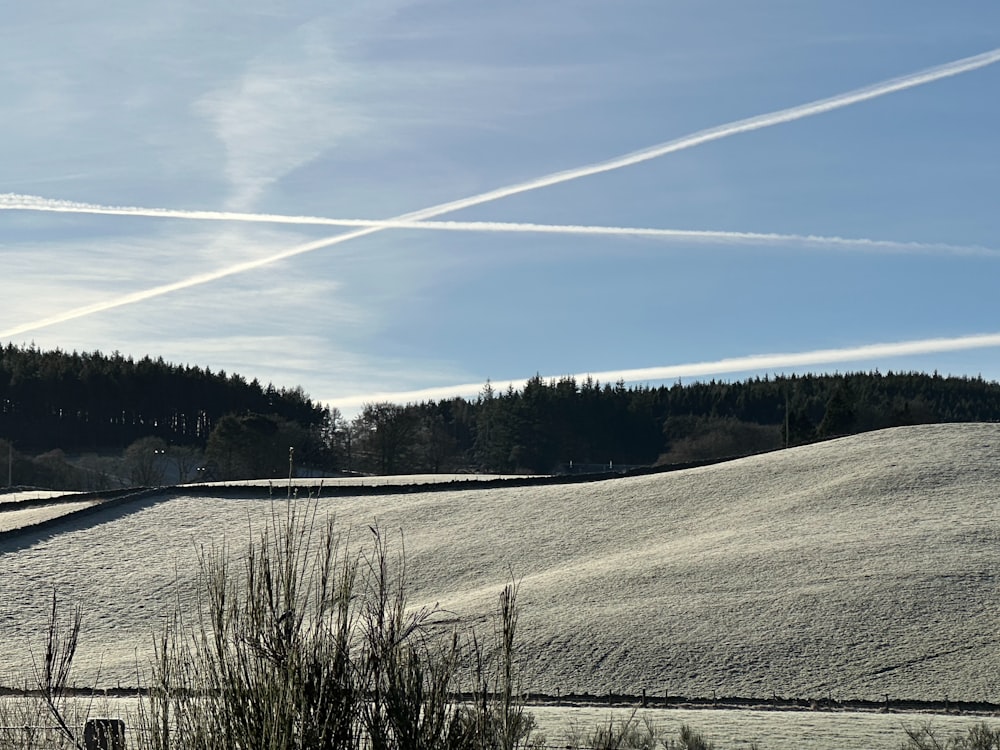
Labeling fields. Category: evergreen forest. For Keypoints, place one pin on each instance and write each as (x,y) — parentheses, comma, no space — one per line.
(94,421)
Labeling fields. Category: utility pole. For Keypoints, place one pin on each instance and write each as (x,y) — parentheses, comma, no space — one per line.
(787,421)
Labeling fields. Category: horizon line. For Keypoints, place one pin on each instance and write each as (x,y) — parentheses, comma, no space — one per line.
(728,365)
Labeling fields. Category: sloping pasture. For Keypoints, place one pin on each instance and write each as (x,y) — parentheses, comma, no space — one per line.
(847,569)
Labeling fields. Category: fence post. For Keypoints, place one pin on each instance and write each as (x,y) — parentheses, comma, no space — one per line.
(104,734)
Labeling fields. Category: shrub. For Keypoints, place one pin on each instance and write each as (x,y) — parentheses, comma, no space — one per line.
(26,721)
(926,737)
(691,739)
(633,734)
(306,646)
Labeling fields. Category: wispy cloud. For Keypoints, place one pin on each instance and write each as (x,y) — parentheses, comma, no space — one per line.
(12,201)
(97,273)
(300,358)
(705,136)
(289,105)
(750,363)
(191,281)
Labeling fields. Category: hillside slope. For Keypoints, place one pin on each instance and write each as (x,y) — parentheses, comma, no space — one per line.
(852,568)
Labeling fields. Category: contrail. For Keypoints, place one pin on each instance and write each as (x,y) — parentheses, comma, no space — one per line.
(696,139)
(11,201)
(754,362)
(758,122)
(157,291)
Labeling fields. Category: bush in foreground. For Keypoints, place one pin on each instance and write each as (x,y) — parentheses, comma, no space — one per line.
(925,737)
(306,646)
(631,733)
(302,645)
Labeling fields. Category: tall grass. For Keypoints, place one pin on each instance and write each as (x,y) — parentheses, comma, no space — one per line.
(926,737)
(632,733)
(47,719)
(305,645)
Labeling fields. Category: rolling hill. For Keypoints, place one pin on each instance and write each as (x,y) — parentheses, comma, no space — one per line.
(851,568)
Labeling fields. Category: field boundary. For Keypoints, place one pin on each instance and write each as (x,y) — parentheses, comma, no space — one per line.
(628,700)
(279,487)
(104,501)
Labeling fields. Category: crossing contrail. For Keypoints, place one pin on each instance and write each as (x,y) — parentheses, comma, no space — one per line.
(11,201)
(754,362)
(758,122)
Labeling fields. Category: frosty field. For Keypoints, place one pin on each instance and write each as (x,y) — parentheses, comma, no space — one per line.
(850,569)
(15,518)
(729,729)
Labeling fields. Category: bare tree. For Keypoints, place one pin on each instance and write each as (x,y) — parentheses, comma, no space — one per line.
(388,430)
(145,461)
(186,459)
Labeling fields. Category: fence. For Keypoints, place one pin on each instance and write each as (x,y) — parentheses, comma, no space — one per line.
(104,733)
(33,728)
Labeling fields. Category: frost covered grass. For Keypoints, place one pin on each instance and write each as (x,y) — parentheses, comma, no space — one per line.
(851,569)
(979,736)
(301,645)
(20,495)
(15,518)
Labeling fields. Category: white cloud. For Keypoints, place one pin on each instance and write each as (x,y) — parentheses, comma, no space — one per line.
(62,281)
(250,180)
(361,108)
(290,105)
(312,361)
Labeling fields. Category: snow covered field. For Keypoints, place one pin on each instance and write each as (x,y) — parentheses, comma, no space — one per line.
(850,569)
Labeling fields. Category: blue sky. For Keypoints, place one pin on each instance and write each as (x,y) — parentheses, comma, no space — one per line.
(375,110)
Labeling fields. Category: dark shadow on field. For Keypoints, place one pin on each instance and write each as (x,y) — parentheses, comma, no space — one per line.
(115,504)
(111,507)
(278,489)
(41,502)
(774,703)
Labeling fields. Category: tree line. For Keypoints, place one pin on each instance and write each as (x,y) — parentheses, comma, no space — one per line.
(94,402)
(565,425)
(88,421)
